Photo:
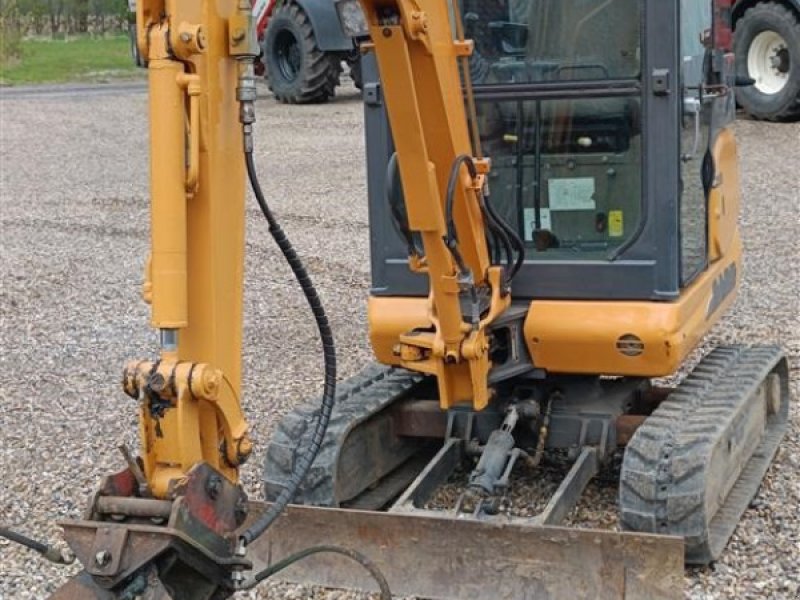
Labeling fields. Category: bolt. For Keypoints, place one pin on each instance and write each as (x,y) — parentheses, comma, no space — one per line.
(237,577)
(245,449)
(186,37)
(207,382)
(212,378)
(157,383)
(213,487)
(102,558)
(240,510)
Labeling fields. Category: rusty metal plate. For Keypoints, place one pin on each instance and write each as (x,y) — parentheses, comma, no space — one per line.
(452,559)
(81,587)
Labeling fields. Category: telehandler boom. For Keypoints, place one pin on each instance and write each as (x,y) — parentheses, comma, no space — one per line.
(553,201)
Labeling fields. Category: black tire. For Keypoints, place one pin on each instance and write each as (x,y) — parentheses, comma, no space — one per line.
(298,72)
(354,62)
(767,39)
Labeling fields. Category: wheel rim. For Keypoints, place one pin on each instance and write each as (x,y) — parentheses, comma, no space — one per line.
(768,62)
(287,52)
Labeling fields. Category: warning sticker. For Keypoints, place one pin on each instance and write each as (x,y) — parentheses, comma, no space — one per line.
(616,223)
(529,215)
(571,193)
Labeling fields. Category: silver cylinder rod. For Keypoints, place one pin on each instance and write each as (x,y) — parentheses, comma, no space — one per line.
(169,340)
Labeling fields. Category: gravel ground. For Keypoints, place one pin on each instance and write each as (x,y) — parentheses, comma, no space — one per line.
(74,214)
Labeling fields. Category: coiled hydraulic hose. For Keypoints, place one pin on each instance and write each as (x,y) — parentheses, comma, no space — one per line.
(246,95)
(328,398)
(329,354)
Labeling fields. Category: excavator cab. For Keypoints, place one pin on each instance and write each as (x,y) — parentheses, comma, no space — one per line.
(587,112)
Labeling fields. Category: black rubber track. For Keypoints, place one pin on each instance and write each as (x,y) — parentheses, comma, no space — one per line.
(357,399)
(694,466)
(319,74)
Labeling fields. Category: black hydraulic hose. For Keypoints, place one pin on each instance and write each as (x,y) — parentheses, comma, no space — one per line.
(394,192)
(373,570)
(455,171)
(513,236)
(494,219)
(500,238)
(329,352)
(498,232)
(49,552)
(24,541)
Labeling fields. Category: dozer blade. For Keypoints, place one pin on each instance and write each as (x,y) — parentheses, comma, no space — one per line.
(448,558)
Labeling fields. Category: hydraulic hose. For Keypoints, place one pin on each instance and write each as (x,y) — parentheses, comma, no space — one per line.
(246,95)
(51,553)
(512,235)
(23,540)
(496,225)
(329,354)
(373,570)
(394,197)
(455,171)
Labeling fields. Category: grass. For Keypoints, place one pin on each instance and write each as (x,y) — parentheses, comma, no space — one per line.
(81,58)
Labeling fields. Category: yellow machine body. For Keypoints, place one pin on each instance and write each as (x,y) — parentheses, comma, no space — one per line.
(426,109)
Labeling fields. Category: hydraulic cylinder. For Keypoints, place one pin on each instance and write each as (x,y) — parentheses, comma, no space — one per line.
(168,269)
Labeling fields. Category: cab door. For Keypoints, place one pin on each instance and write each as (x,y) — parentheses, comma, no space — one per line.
(696,164)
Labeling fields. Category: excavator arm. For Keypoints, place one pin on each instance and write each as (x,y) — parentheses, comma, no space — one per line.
(163,524)
(443,182)
(190,395)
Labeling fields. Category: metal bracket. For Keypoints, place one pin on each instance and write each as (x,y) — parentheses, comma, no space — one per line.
(107,551)
(372,94)
(661,81)
(569,492)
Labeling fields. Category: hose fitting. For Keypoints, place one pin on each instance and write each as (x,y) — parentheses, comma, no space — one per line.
(246,94)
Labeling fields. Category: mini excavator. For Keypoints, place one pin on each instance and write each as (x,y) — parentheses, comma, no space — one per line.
(553,197)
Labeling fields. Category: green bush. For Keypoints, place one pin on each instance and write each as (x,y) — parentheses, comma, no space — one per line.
(10,36)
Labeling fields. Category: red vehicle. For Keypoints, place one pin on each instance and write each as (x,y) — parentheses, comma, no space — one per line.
(303,49)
